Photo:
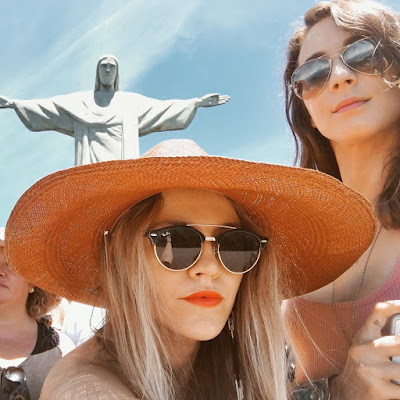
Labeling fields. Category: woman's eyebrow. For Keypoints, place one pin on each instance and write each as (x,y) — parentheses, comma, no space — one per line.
(314,55)
(162,224)
(349,40)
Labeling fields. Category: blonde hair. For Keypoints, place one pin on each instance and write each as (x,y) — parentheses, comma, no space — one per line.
(138,344)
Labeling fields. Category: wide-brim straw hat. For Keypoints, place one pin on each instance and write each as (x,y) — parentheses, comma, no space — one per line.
(54,236)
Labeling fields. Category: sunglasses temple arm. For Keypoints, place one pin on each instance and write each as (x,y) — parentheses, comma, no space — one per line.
(264,243)
(105,237)
(236,366)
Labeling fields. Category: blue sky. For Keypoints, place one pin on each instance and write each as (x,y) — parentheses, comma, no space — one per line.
(166,49)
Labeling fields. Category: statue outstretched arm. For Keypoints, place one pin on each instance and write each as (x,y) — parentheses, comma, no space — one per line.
(212,100)
(164,115)
(5,102)
(43,114)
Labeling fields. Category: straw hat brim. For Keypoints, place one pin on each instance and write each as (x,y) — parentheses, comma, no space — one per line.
(54,236)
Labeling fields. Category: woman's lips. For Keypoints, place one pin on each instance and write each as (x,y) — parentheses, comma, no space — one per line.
(349,104)
(204,298)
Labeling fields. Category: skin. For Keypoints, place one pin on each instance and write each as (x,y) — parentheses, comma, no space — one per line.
(14,289)
(18,331)
(192,322)
(362,138)
(366,123)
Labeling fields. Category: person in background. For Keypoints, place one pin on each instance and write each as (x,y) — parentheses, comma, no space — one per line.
(28,347)
(343,106)
(191,256)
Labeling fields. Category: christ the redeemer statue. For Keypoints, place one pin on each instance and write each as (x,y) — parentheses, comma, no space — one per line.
(107,123)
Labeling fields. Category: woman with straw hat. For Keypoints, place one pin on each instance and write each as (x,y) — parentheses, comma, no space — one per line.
(191,255)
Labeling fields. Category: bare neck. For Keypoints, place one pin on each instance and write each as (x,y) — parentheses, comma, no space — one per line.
(188,350)
(12,319)
(362,166)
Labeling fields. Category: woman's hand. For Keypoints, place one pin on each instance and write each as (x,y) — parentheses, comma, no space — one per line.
(368,370)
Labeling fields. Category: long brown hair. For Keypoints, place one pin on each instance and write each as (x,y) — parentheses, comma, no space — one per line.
(365,18)
(137,343)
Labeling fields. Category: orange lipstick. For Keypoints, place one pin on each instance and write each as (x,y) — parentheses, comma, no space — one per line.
(205,298)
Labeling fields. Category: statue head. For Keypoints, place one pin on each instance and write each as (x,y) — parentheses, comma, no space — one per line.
(107,72)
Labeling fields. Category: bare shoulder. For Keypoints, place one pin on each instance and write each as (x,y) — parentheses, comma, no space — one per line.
(80,376)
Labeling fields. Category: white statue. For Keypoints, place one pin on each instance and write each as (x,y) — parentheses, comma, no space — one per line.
(107,123)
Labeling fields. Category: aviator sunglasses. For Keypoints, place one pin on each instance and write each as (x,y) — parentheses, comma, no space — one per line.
(178,248)
(362,56)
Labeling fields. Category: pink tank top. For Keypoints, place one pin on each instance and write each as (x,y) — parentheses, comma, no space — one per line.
(320,346)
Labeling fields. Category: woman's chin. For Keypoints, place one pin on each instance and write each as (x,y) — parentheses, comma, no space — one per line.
(203,333)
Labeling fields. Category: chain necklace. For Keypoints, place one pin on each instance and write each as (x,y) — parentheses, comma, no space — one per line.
(353,306)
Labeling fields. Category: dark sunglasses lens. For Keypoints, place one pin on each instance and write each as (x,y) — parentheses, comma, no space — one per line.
(310,78)
(239,250)
(178,247)
(363,56)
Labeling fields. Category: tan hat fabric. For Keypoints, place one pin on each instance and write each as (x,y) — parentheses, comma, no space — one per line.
(54,236)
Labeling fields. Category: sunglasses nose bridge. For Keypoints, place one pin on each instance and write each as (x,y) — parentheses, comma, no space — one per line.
(339,72)
(214,243)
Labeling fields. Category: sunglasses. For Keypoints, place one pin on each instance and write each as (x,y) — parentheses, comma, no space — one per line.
(362,56)
(13,384)
(178,248)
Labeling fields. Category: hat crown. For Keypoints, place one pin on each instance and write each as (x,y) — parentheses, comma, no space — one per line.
(175,148)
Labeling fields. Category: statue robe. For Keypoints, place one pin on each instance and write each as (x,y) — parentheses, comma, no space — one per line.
(105,133)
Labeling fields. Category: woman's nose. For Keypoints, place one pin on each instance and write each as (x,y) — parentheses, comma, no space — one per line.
(341,75)
(3,269)
(208,264)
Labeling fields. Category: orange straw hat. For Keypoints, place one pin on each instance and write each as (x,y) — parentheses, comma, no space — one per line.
(54,236)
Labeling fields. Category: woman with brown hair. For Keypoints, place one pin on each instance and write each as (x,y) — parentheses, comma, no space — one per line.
(191,256)
(343,106)
(28,347)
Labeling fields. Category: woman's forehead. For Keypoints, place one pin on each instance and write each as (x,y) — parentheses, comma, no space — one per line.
(323,38)
(197,205)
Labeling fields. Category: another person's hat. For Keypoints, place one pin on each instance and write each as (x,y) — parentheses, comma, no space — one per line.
(54,236)
(2,236)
